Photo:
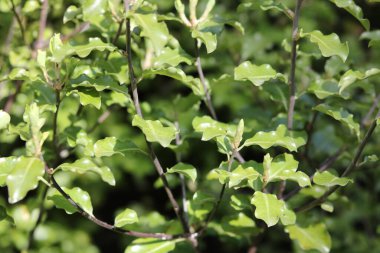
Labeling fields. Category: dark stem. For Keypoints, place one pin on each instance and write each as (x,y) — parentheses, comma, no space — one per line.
(348,170)
(367,117)
(118,33)
(42,25)
(135,97)
(207,97)
(11,99)
(292,84)
(19,21)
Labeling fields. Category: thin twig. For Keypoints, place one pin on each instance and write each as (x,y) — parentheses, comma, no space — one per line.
(207,98)
(118,33)
(19,21)
(135,97)
(292,84)
(11,99)
(348,170)
(55,119)
(367,117)
(42,25)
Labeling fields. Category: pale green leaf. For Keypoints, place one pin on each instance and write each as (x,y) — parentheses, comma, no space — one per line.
(112,145)
(313,237)
(71,13)
(329,45)
(93,44)
(290,140)
(185,169)
(287,217)
(268,207)
(208,39)
(92,10)
(5,119)
(244,173)
(128,216)
(81,197)
(211,128)
(150,245)
(84,165)
(354,10)
(6,166)
(351,76)
(326,178)
(154,131)
(256,74)
(156,32)
(87,96)
(341,115)
(101,83)
(373,36)
(170,57)
(23,177)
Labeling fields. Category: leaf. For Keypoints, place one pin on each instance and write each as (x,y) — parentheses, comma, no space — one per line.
(268,207)
(329,45)
(313,237)
(351,76)
(373,36)
(154,131)
(288,217)
(23,177)
(256,74)
(71,13)
(207,38)
(6,166)
(84,165)
(354,10)
(185,169)
(290,140)
(211,128)
(156,32)
(93,44)
(150,245)
(92,10)
(341,115)
(112,145)
(171,57)
(283,167)
(128,216)
(100,83)
(5,119)
(326,88)
(77,194)
(328,179)
(243,172)
(87,96)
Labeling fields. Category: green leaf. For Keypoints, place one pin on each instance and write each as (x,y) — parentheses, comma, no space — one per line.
(288,217)
(84,165)
(290,140)
(87,96)
(77,194)
(243,172)
(283,167)
(100,83)
(111,145)
(352,76)
(5,119)
(150,245)
(239,134)
(326,88)
(328,179)
(128,216)
(93,44)
(171,57)
(211,128)
(156,32)
(256,74)
(268,207)
(154,131)
(6,166)
(329,45)
(23,177)
(71,13)
(92,10)
(185,169)
(373,36)
(354,10)
(200,205)
(313,237)
(341,115)
(208,39)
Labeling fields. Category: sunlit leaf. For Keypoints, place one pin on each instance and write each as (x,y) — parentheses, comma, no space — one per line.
(5,119)
(112,145)
(211,128)
(128,216)
(352,76)
(80,196)
(256,74)
(326,178)
(185,169)
(354,10)
(268,207)
(150,245)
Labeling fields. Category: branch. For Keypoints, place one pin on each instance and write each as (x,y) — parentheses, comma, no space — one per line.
(367,117)
(11,99)
(348,170)
(135,97)
(42,25)
(207,98)
(292,84)
(19,21)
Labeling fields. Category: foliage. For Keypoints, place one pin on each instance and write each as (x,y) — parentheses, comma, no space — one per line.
(189,126)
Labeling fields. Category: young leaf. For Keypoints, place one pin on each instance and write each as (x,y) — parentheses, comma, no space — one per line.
(268,207)
(6,166)
(354,10)
(329,45)
(5,119)
(84,165)
(154,131)
(328,179)
(150,245)
(211,128)
(313,237)
(185,169)
(128,216)
(341,115)
(87,96)
(171,57)
(281,137)
(77,194)
(23,177)
(111,145)
(351,76)
(256,74)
